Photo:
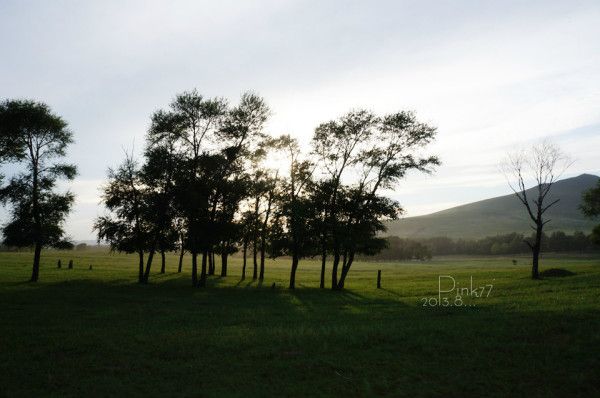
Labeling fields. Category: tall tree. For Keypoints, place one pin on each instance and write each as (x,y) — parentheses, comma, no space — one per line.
(296,238)
(395,148)
(320,194)
(226,228)
(590,207)
(158,174)
(32,135)
(543,164)
(181,238)
(242,135)
(246,228)
(270,194)
(336,145)
(126,228)
(195,121)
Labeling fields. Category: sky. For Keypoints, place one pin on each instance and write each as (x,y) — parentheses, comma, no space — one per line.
(491,76)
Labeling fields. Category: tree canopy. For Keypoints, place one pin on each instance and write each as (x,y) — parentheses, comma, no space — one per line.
(591,208)
(31,135)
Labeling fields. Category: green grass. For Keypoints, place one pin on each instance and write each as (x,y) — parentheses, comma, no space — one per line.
(97,333)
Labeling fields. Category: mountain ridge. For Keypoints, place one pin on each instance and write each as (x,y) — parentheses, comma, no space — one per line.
(501,214)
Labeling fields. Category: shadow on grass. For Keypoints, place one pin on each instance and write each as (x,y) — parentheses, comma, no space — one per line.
(556,273)
(90,332)
(251,296)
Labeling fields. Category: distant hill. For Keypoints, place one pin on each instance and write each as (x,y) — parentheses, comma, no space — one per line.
(503,214)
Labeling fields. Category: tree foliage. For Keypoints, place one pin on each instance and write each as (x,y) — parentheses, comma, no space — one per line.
(207,185)
(591,208)
(32,136)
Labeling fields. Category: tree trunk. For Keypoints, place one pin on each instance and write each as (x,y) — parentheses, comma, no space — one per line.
(141,266)
(223,263)
(148,265)
(255,263)
(211,265)
(293,273)
(180,261)
(245,251)
(323,263)
(194,269)
(334,269)
(263,237)
(535,274)
(202,282)
(35,273)
(162,262)
(345,270)
(261,276)
(37,223)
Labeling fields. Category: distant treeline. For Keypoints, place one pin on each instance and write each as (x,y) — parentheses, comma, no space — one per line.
(513,243)
(69,246)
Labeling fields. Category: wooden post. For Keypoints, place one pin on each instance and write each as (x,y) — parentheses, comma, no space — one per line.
(379,279)
(58,264)
(70,264)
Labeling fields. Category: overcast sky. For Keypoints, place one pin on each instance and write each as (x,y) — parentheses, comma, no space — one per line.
(491,75)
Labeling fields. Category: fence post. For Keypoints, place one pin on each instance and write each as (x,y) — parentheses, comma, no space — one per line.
(379,279)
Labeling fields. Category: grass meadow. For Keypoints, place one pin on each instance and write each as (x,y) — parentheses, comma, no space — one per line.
(96,332)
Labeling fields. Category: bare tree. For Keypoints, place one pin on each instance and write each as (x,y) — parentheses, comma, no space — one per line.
(543,164)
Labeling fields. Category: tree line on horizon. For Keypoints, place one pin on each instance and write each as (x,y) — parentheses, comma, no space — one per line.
(424,249)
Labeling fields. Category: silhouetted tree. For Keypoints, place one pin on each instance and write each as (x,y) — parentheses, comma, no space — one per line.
(255,229)
(226,228)
(543,164)
(158,175)
(394,150)
(246,231)
(591,208)
(126,229)
(320,194)
(181,238)
(33,136)
(295,238)
(270,194)
(336,144)
(364,219)
(194,121)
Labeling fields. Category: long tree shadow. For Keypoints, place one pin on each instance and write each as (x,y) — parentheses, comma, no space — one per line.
(96,331)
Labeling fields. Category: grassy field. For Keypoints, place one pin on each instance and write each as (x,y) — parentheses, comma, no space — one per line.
(97,333)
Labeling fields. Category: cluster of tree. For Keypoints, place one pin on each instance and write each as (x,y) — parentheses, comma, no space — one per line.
(513,243)
(211,182)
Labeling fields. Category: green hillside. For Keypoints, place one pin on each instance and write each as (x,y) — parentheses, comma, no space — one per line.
(500,215)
